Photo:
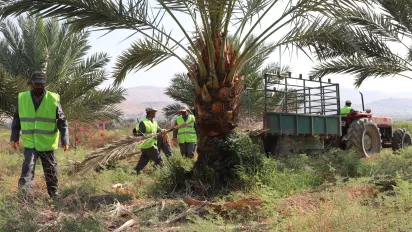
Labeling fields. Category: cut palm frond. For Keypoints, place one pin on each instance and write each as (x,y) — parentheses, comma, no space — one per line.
(122,148)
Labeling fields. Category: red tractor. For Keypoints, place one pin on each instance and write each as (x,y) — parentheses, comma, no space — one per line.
(368,134)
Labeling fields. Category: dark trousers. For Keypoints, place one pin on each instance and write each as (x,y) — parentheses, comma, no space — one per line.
(162,146)
(49,164)
(147,155)
(187,149)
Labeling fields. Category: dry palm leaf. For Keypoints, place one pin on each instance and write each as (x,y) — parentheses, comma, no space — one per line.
(116,150)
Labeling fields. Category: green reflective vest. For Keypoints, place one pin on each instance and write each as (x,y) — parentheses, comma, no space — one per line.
(345,110)
(39,128)
(151,129)
(186,134)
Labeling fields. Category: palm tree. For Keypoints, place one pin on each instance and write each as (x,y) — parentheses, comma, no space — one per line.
(213,65)
(182,91)
(9,88)
(360,42)
(36,44)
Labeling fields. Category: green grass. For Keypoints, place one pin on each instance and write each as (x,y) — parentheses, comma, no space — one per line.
(329,192)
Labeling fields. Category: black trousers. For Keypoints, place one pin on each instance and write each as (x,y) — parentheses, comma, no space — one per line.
(147,155)
(49,164)
(162,146)
(188,149)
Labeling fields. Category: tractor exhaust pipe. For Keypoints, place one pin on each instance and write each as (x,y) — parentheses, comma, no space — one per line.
(363,104)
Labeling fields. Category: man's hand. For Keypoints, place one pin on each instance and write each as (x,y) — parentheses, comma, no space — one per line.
(65,147)
(15,144)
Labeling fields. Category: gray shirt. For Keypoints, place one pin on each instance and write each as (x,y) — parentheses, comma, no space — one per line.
(62,124)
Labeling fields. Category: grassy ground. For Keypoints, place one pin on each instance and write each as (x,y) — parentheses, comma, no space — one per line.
(331,192)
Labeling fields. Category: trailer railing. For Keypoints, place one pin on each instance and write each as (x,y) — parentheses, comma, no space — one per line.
(293,95)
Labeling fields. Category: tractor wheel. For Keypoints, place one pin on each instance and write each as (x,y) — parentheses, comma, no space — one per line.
(363,135)
(401,139)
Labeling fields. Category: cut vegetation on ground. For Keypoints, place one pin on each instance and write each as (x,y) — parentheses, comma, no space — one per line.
(331,192)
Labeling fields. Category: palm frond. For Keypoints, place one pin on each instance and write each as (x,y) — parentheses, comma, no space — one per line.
(171,110)
(398,11)
(10,86)
(97,104)
(142,54)
(83,13)
(49,44)
(181,89)
(362,68)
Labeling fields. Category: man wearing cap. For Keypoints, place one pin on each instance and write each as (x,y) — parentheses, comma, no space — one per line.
(148,127)
(40,117)
(186,135)
(162,143)
(347,108)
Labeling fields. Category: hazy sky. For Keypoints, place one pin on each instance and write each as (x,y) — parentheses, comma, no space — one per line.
(161,74)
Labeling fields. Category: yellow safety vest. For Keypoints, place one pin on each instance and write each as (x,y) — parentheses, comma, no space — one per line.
(151,129)
(39,128)
(345,110)
(186,134)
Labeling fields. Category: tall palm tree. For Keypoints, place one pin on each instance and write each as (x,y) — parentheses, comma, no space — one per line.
(33,44)
(251,102)
(360,40)
(213,65)
(181,87)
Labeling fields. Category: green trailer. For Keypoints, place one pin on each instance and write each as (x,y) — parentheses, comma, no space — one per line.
(298,114)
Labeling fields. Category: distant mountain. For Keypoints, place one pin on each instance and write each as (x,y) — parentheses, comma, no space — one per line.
(368,95)
(392,107)
(396,105)
(139,98)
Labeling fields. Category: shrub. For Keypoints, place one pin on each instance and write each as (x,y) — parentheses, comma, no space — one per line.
(171,178)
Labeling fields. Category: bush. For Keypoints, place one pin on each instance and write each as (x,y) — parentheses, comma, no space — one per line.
(171,177)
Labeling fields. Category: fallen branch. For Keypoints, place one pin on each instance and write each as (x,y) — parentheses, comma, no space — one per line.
(194,210)
(118,210)
(126,225)
(244,204)
(148,206)
(119,149)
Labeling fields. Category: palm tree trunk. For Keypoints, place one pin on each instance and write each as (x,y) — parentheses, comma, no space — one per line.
(217,104)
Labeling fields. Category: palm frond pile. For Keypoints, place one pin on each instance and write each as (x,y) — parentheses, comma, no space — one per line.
(120,149)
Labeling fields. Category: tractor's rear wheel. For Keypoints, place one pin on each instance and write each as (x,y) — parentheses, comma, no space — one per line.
(401,139)
(363,135)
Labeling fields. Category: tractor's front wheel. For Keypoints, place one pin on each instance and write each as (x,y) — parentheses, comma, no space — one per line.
(363,135)
(401,139)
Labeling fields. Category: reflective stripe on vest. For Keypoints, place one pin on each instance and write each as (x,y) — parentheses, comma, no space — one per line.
(39,128)
(345,110)
(151,129)
(186,133)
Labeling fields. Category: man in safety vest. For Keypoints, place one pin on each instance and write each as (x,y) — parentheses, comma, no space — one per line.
(186,135)
(147,131)
(162,143)
(347,108)
(40,118)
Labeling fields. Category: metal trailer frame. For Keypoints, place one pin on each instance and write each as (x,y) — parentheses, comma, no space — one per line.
(302,110)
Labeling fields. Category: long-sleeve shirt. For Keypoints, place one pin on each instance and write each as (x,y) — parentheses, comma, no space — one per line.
(185,119)
(142,128)
(62,124)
